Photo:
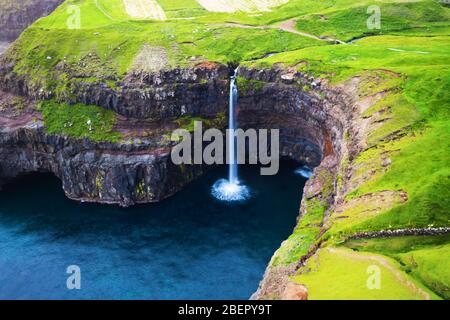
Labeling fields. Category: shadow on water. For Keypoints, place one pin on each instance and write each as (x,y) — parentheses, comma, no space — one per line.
(190,246)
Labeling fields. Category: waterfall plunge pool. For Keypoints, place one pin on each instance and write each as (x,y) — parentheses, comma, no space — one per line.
(191,246)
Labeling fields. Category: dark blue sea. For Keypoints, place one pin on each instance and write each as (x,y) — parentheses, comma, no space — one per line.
(190,246)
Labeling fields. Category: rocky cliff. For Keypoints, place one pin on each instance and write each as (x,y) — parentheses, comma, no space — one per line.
(321,125)
(125,172)
(364,115)
(15,16)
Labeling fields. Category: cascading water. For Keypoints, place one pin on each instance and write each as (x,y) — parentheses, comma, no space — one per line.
(232,175)
(305,171)
(231,189)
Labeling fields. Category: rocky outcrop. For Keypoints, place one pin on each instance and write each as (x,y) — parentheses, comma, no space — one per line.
(401,232)
(276,282)
(294,292)
(333,178)
(93,172)
(125,173)
(311,124)
(15,16)
(312,118)
(114,174)
(198,90)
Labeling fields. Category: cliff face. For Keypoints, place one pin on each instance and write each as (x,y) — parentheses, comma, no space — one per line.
(15,16)
(314,119)
(321,125)
(334,178)
(173,93)
(128,173)
(123,173)
(364,137)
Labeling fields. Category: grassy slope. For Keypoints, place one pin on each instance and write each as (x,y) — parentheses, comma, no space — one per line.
(413,115)
(427,258)
(348,22)
(414,131)
(79,121)
(418,107)
(347,274)
(212,41)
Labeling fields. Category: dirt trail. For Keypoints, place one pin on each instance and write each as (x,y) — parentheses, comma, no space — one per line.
(144,9)
(288,26)
(385,263)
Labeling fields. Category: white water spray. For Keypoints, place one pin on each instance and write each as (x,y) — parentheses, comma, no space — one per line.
(305,172)
(231,189)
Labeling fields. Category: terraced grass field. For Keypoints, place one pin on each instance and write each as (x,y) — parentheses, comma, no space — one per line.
(144,9)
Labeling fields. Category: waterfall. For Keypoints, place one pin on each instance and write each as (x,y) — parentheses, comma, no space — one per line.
(231,189)
(233,169)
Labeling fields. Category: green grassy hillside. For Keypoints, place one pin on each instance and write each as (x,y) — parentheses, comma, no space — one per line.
(405,64)
(423,257)
(415,104)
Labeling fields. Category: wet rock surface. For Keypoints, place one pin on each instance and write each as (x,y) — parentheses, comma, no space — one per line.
(93,172)
(311,126)
(124,173)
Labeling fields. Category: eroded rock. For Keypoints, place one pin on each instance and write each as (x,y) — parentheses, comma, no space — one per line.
(294,291)
(311,126)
